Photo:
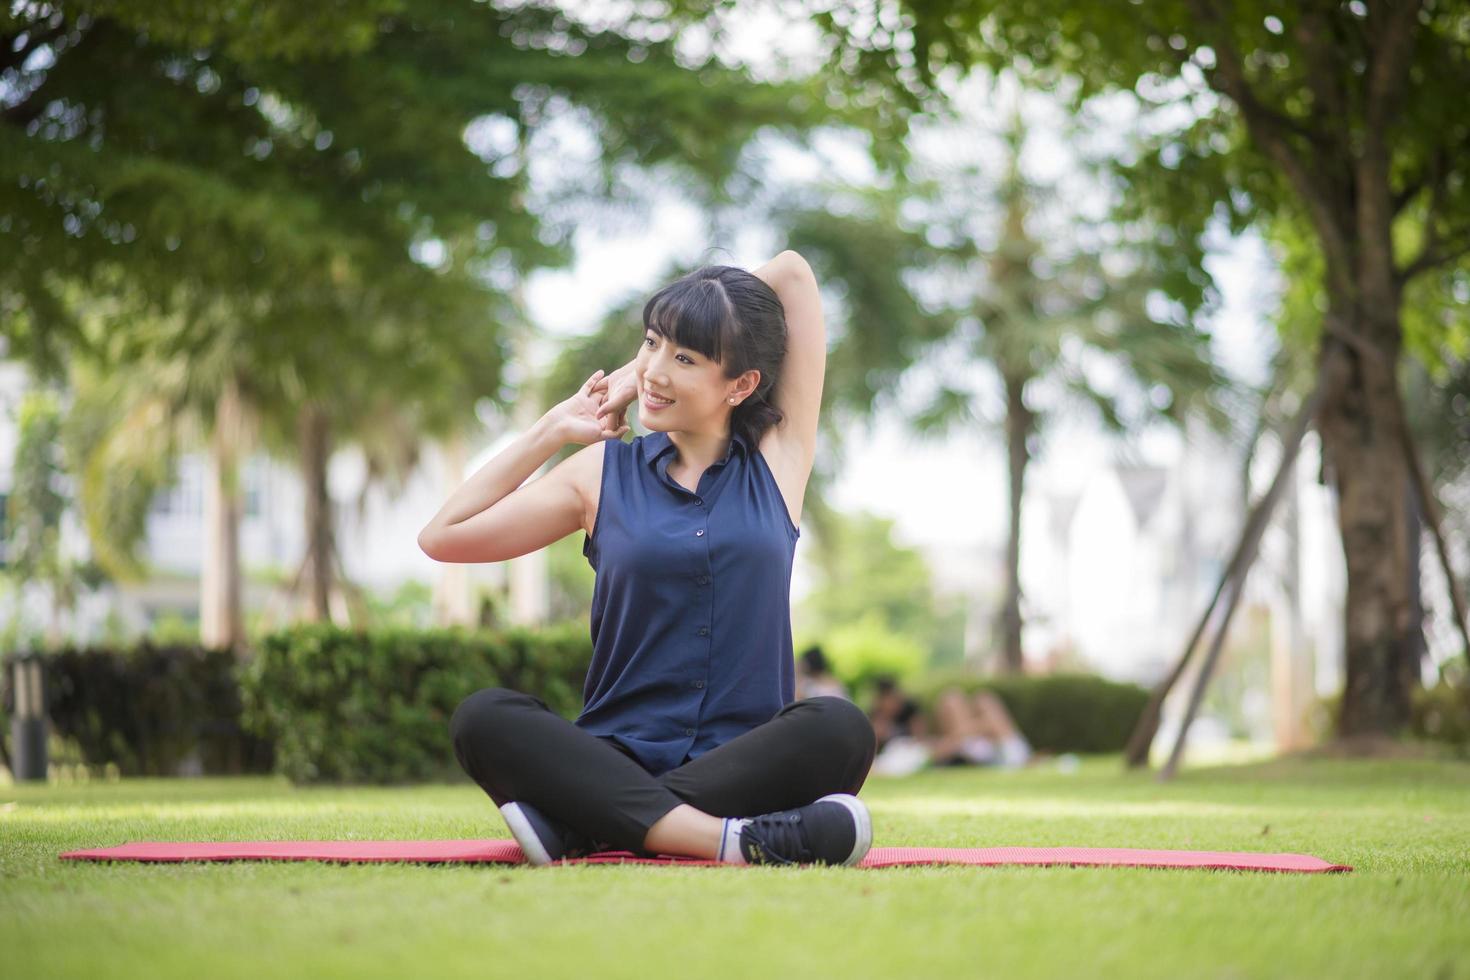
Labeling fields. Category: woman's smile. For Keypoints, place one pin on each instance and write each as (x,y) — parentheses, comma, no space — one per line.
(654,402)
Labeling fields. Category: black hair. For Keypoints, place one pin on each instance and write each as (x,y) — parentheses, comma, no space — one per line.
(885,683)
(734,318)
(814,659)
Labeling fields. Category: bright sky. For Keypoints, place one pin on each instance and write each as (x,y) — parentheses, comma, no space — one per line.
(948,493)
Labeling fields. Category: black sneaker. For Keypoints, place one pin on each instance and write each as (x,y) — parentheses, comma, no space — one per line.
(834,830)
(544,840)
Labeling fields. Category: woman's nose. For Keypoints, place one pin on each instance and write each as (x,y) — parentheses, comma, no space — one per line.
(656,369)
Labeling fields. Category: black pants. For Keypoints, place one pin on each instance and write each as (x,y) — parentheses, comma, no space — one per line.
(518,749)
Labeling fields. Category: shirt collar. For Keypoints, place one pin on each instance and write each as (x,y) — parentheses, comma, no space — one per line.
(656,444)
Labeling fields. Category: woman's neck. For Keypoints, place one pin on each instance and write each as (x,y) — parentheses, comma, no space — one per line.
(698,451)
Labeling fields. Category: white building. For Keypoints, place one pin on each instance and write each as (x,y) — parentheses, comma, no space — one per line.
(1120,566)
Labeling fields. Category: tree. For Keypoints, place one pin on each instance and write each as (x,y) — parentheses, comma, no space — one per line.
(307,214)
(1033,293)
(1346,117)
(863,571)
(35,508)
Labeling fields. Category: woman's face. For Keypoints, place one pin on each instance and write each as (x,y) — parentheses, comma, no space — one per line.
(699,393)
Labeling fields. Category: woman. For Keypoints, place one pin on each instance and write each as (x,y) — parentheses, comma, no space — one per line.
(976,729)
(689,741)
(814,677)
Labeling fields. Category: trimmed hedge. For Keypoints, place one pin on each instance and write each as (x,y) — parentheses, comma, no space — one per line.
(1056,712)
(1442,714)
(320,703)
(374,707)
(146,708)
(317,703)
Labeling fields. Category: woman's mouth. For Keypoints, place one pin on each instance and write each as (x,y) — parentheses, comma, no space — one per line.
(654,402)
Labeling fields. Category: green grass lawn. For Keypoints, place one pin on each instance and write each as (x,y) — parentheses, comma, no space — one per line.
(1405,911)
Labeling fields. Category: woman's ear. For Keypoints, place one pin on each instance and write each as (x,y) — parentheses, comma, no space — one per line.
(745,386)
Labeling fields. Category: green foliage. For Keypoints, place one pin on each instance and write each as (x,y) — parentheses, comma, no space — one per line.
(329,209)
(410,606)
(1056,712)
(1248,113)
(374,707)
(866,648)
(1347,118)
(172,629)
(1442,714)
(866,255)
(866,574)
(36,502)
(146,708)
(572,580)
(39,495)
(124,445)
(1037,307)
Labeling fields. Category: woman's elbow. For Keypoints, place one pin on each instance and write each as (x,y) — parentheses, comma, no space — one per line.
(797,263)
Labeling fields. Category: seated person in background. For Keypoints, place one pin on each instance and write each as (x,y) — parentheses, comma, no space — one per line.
(976,729)
(814,676)
(900,729)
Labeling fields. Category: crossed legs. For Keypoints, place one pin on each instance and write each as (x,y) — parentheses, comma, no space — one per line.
(516,748)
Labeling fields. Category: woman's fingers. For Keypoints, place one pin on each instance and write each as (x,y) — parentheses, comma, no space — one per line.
(591,382)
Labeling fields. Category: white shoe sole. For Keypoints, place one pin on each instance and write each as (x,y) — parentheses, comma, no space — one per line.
(525,835)
(862,819)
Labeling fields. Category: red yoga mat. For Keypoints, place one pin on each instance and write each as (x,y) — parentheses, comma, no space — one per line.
(509,852)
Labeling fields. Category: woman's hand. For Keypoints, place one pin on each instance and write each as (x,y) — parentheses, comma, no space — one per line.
(620,389)
(580,418)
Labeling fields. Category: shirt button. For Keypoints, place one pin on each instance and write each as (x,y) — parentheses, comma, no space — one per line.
(688,731)
(699,533)
(703,580)
(704,631)
(699,683)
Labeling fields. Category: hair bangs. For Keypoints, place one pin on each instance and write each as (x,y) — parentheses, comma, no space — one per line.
(695,314)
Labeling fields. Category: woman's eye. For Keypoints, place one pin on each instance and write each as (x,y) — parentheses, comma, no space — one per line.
(648,340)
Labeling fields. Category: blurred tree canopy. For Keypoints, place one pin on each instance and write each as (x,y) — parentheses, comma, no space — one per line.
(865,572)
(311,221)
(1345,117)
(1003,273)
(874,608)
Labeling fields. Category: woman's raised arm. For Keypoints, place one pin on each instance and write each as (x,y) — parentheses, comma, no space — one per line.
(798,391)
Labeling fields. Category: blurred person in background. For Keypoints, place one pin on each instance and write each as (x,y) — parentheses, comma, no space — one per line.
(814,677)
(976,729)
(901,730)
(969,729)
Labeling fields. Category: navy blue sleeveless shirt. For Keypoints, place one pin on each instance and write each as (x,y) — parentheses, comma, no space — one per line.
(691,610)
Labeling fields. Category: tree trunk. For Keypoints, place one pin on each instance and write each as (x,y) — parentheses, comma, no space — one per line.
(220,622)
(1290,679)
(314,432)
(1019,423)
(1360,441)
(452,598)
(1413,514)
(528,579)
